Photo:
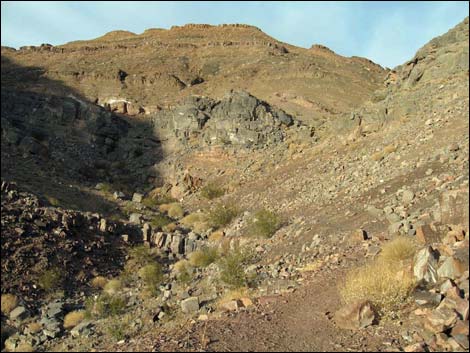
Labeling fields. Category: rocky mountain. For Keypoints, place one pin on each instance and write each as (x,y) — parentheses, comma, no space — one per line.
(209,188)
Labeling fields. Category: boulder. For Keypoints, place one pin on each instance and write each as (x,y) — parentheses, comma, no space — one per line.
(425,265)
(355,316)
(454,207)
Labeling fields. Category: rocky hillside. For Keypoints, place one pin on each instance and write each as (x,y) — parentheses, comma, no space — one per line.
(142,73)
(208,188)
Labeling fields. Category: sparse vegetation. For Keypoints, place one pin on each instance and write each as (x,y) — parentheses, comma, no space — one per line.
(9,302)
(73,318)
(232,267)
(105,305)
(212,191)
(175,211)
(98,282)
(216,236)
(117,328)
(221,215)
(264,224)
(203,257)
(50,280)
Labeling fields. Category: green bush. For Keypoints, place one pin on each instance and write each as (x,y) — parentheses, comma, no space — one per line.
(50,280)
(151,276)
(232,267)
(264,224)
(141,255)
(221,215)
(156,200)
(159,221)
(212,191)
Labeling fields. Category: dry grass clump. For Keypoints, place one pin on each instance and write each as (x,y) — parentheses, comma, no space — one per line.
(216,236)
(386,287)
(389,149)
(9,302)
(264,224)
(112,287)
(203,257)
(398,250)
(73,318)
(99,282)
(34,327)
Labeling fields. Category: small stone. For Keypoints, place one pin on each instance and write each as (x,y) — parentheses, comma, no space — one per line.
(82,329)
(190,305)
(246,302)
(118,195)
(135,218)
(359,236)
(232,305)
(137,198)
(19,313)
(416,347)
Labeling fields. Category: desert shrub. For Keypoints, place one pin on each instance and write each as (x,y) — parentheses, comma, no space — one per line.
(112,286)
(175,211)
(98,282)
(386,287)
(106,188)
(105,305)
(73,318)
(50,280)
(53,201)
(141,255)
(203,257)
(398,250)
(157,199)
(152,276)
(221,215)
(117,328)
(232,267)
(183,271)
(197,221)
(264,224)
(159,221)
(9,302)
(212,191)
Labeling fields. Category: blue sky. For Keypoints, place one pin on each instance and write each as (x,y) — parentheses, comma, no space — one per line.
(388,33)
